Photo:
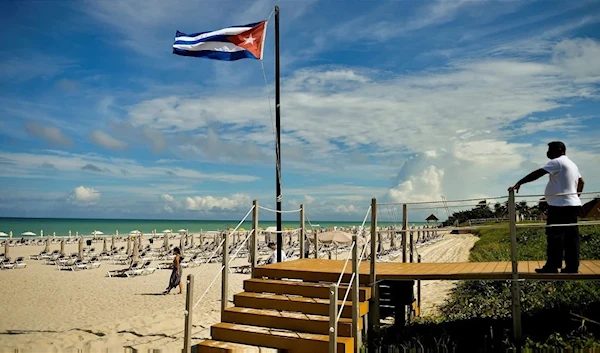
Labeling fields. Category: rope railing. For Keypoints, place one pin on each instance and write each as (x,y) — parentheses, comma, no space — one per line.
(208,288)
(278,211)
(481,199)
(283,231)
(337,319)
(237,250)
(345,265)
(240,247)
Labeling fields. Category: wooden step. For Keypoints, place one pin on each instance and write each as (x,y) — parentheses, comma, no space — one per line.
(293,342)
(316,306)
(304,289)
(318,271)
(212,346)
(287,320)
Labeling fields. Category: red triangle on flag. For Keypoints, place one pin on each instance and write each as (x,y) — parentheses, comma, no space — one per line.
(251,40)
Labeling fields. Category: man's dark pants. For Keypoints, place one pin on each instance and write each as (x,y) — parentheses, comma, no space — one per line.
(562,239)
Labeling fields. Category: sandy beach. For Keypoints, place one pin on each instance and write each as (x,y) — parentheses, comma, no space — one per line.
(47,310)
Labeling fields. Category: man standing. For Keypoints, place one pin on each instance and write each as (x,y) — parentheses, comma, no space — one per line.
(562,195)
(273,258)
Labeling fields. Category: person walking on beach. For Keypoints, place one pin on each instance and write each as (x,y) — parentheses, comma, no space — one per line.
(562,195)
(273,258)
(176,273)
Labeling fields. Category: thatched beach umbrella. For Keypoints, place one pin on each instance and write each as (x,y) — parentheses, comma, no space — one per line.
(6,249)
(181,245)
(47,248)
(104,245)
(128,245)
(80,252)
(62,247)
(166,242)
(192,241)
(112,244)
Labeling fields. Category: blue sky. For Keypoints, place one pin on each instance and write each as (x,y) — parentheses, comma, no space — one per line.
(399,100)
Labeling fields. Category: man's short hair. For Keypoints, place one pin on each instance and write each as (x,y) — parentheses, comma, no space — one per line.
(557,146)
(271,244)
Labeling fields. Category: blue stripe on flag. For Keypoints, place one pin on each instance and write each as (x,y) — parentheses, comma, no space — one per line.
(217,55)
(181,34)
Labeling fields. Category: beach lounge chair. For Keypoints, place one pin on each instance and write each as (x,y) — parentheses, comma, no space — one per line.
(121,273)
(7,265)
(38,256)
(145,269)
(20,262)
(94,263)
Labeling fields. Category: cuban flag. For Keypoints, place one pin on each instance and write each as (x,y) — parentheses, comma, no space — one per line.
(228,44)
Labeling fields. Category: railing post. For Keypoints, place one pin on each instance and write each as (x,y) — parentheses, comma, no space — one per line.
(225,276)
(419,289)
(374,301)
(189,298)
(333,312)
(302,233)
(411,239)
(254,243)
(355,292)
(515,290)
(404,230)
(316,242)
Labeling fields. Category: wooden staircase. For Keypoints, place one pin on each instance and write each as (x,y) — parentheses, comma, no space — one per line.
(290,314)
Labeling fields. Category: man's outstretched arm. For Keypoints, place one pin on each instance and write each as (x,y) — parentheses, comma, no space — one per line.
(533,176)
(580,184)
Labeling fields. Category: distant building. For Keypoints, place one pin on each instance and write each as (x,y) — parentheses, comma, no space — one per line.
(591,209)
(432,218)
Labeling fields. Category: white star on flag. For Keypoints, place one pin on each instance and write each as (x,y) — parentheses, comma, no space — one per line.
(249,40)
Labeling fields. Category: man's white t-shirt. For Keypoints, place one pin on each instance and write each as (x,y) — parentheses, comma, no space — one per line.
(273,258)
(564,177)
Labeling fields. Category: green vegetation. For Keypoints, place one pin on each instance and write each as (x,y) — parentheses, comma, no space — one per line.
(477,316)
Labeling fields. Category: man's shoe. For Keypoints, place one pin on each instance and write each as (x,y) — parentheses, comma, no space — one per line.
(546,270)
(569,270)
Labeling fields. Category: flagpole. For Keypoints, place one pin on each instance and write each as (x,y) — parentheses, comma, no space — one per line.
(278,138)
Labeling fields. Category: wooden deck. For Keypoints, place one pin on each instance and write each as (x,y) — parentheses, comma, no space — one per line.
(329,270)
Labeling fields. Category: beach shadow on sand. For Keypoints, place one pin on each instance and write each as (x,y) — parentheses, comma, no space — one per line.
(159,293)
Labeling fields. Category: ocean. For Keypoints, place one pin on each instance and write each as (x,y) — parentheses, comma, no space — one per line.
(62,226)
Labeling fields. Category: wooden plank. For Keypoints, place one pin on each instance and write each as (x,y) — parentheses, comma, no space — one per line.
(585,269)
(593,265)
(304,305)
(299,322)
(489,268)
(305,289)
(290,341)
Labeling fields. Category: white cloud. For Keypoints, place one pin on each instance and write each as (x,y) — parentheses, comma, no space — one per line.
(104,140)
(167,198)
(50,134)
(84,195)
(579,58)
(326,112)
(426,186)
(235,202)
(26,165)
(208,203)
